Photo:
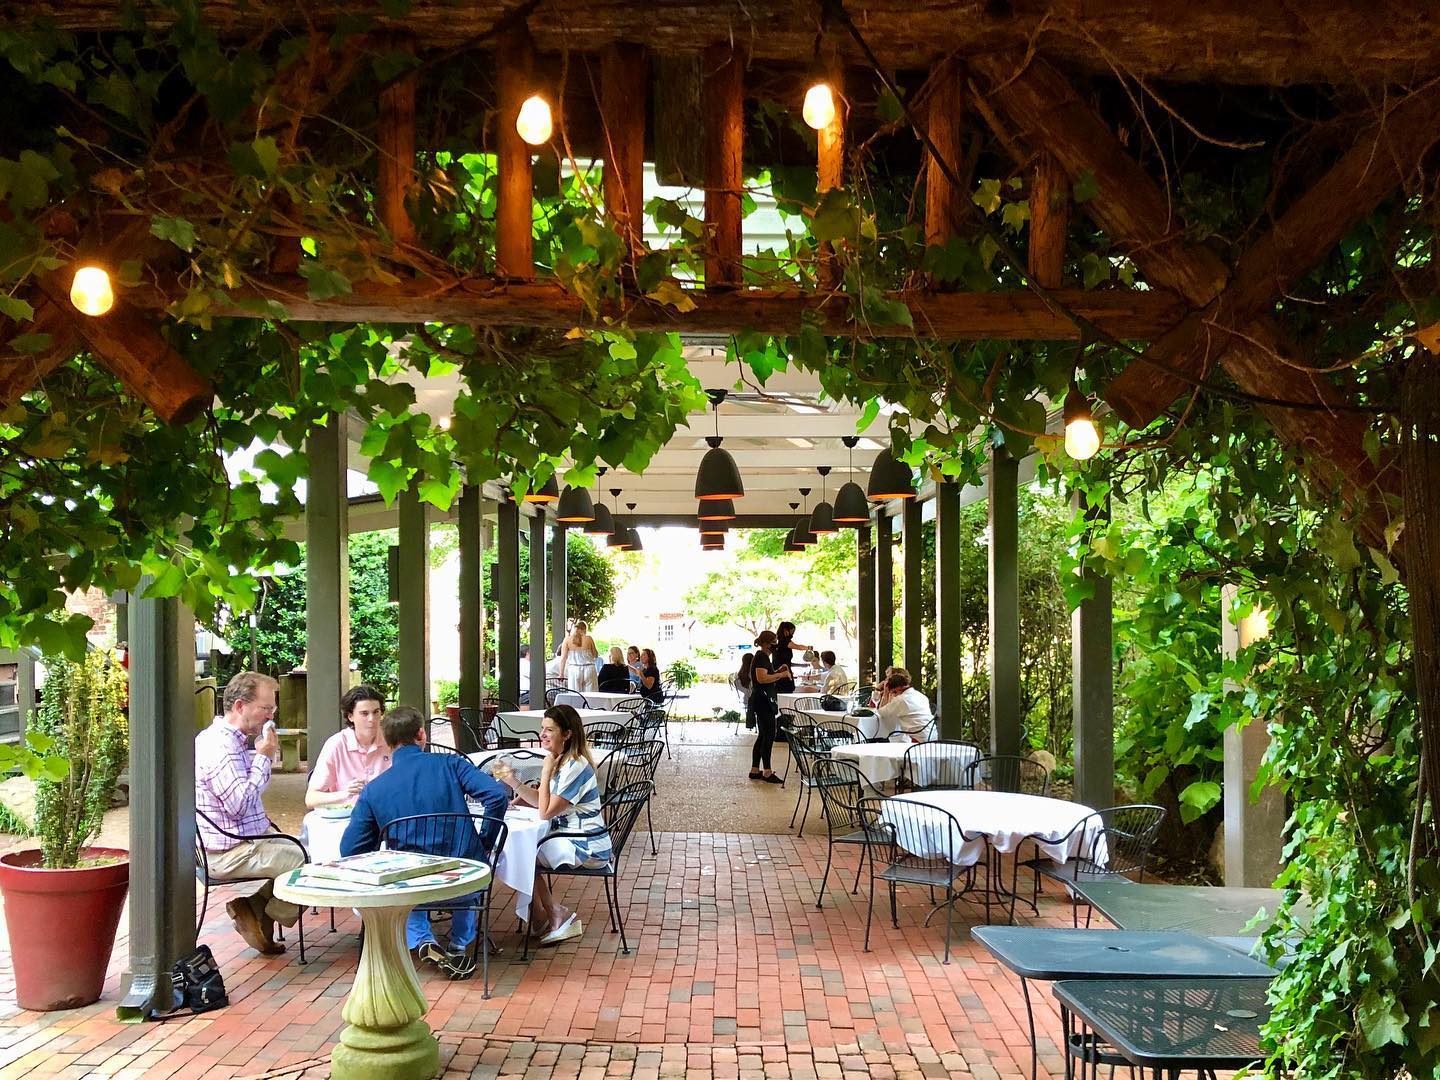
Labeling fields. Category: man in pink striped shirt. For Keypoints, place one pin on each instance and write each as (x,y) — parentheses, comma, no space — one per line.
(229,781)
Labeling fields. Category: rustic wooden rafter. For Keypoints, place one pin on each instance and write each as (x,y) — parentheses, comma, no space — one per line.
(723,121)
(21,372)
(1049,222)
(514,194)
(395,177)
(624,86)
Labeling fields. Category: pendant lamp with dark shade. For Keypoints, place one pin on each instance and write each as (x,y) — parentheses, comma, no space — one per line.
(790,543)
(712,543)
(716,510)
(889,479)
(822,518)
(851,507)
(602,524)
(803,536)
(631,534)
(548,492)
(713,528)
(575,506)
(719,476)
(619,538)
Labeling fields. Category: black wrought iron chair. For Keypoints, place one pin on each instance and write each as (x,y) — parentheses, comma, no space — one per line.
(922,846)
(640,763)
(202,872)
(621,808)
(651,724)
(841,787)
(938,765)
(609,734)
(1008,772)
(554,692)
(1115,842)
(632,705)
(809,743)
(516,759)
(441,748)
(440,834)
(806,704)
(862,694)
(787,722)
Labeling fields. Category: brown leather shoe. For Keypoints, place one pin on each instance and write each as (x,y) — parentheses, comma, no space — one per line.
(248,926)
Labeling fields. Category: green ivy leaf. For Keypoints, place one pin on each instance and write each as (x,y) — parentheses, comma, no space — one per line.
(1085,188)
(325,283)
(12,307)
(179,231)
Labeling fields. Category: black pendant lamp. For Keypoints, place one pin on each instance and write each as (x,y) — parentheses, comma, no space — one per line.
(631,534)
(619,535)
(790,542)
(716,510)
(719,476)
(713,528)
(803,534)
(548,492)
(889,478)
(712,543)
(602,524)
(575,506)
(851,507)
(822,518)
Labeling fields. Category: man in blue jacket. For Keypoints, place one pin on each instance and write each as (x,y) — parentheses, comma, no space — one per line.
(421,783)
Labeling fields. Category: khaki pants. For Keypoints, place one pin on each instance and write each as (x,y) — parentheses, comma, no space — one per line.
(260,858)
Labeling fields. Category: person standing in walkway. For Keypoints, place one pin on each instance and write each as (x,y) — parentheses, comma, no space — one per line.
(744,683)
(229,783)
(783,655)
(577,660)
(762,700)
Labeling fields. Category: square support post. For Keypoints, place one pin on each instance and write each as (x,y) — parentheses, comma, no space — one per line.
(162,801)
(507,593)
(472,598)
(559,585)
(912,633)
(327,581)
(949,634)
(538,652)
(1254,827)
(865,562)
(1092,659)
(1005,719)
(884,591)
(414,613)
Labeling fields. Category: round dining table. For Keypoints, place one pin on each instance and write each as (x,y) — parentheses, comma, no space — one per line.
(385,1034)
(1003,820)
(882,762)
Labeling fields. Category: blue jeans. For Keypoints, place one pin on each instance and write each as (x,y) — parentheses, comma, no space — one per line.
(462,929)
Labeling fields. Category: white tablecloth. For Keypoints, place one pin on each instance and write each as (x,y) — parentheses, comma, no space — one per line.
(606,699)
(787,701)
(516,868)
(1003,819)
(881,762)
(865,724)
(526,725)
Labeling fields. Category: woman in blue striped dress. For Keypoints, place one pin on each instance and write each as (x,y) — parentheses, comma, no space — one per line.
(567,796)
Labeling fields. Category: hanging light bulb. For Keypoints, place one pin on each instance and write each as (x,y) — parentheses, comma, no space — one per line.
(1082,437)
(91,291)
(851,507)
(1254,627)
(444,422)
(819,107)
(533,120)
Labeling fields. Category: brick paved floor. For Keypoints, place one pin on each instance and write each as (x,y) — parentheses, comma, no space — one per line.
(733,973)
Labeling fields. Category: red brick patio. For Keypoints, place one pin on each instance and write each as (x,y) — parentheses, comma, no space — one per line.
(733,973)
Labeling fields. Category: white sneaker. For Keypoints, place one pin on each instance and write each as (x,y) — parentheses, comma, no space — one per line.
(568,929)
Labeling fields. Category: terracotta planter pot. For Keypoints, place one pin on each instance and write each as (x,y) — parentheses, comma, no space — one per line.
(62,926)
(453,713)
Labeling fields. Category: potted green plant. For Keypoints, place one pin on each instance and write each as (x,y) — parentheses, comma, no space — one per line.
(63,900)
(681,674)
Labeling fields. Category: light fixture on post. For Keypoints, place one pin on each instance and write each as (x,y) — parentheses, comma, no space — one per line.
(1082,437)
(533,121)
(630,533)
(851,507)
(548,492)
(575,506)
(889,478)
(790,542)
(822,518)
(719,476)
(602,524)
(819,107)
(803,535)
(619,535)
(716,510)
(91,291)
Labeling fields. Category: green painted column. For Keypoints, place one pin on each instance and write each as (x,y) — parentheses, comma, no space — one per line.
(1005,718)
(884,591)
(507,593)
(913,548)
(472,597)
(865,562)
(162,801)
(559,585)
(414,610)
(538,611)
(327,581)
(949,651)
(1092,661)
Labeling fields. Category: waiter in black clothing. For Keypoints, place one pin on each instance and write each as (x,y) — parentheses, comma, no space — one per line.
(783,655)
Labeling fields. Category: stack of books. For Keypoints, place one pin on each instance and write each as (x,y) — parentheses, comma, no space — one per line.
(391,869)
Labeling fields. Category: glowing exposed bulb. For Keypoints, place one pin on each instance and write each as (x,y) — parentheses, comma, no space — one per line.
(819,107)
(533,121)
(1081,439)
(91,292)
(1254,627)
(443,423)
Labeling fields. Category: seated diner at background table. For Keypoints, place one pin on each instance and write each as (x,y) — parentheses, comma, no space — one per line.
(834,674)
(614,677)
(632,662)
(567,796)
(354,755)
(900,707)
(651,688)
(421,783)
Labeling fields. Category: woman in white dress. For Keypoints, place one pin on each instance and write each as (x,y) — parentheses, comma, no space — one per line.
(577,660)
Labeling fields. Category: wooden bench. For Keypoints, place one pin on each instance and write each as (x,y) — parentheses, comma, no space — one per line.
(292,748)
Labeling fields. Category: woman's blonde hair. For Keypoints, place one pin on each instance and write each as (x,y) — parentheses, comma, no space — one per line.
(616,656)
(577,633)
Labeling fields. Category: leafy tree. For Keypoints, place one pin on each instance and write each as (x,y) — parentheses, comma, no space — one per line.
(764,586)
(589,581)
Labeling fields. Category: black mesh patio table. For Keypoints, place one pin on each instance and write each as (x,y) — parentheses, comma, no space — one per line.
(1202,909)
(1050,954)
(1166,1025)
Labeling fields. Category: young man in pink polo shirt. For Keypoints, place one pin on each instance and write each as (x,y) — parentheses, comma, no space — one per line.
(354,755)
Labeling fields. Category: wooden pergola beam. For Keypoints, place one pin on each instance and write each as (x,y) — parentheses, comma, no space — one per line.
(830,166)
(945,204)
(723,121)
(1383,156)
(396,142)
(1049,222)
(1046,112)
(20,372)
(1129,314)
(624,85)
(514,194)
